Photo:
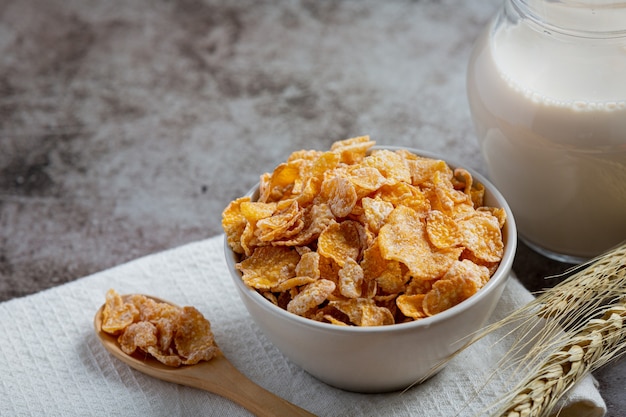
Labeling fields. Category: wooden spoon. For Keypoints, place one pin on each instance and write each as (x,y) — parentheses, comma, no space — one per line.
(217,376)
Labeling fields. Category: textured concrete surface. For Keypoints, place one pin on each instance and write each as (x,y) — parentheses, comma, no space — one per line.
(126,126)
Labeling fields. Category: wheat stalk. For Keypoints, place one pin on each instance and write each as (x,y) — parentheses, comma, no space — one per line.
(596,343)
(561,336)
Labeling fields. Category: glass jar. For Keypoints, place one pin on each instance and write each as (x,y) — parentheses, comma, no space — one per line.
(547,93)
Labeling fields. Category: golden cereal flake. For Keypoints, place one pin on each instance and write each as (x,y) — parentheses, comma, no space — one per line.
(311,296)
(269,266)
(340,241)
(350,279)
(403,238)
(234,223)
(194,339)
(364,312)
(117,315)
(482,236)
(340,195)
(138,335)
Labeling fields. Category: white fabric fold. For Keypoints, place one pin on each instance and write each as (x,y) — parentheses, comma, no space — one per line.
(52,364)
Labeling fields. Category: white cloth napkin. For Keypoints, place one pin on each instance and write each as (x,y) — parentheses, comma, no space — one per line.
(52,364)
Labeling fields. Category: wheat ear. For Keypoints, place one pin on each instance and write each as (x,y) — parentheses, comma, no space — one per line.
(564,334)
(597,342)
(584,328)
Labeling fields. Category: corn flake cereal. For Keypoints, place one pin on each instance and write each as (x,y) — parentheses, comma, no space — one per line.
(340,241)
(443,231)
(269,266)
(117,315)
(412,305)
(350,279)
(340,194)
(364,312)
(311,296)
(174,336)
(194,339)
(357,236)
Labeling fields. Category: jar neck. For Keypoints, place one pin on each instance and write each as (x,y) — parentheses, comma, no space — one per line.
(580,18)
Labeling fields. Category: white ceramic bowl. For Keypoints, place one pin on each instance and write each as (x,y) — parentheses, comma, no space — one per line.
(382,358)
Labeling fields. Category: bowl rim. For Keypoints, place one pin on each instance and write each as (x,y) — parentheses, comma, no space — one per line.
(500,276)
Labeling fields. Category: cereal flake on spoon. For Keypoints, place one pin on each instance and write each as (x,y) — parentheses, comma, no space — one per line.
(172,335)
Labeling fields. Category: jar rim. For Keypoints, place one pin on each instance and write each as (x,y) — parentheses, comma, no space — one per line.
(578,18)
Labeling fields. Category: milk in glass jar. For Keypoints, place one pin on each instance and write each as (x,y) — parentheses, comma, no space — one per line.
(547,92)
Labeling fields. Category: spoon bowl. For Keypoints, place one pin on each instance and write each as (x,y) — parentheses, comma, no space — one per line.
(217,376)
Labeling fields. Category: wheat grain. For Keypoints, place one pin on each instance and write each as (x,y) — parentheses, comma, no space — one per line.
(597,342)
(564,334)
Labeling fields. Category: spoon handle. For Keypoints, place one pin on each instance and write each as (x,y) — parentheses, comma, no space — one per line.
(235,386)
